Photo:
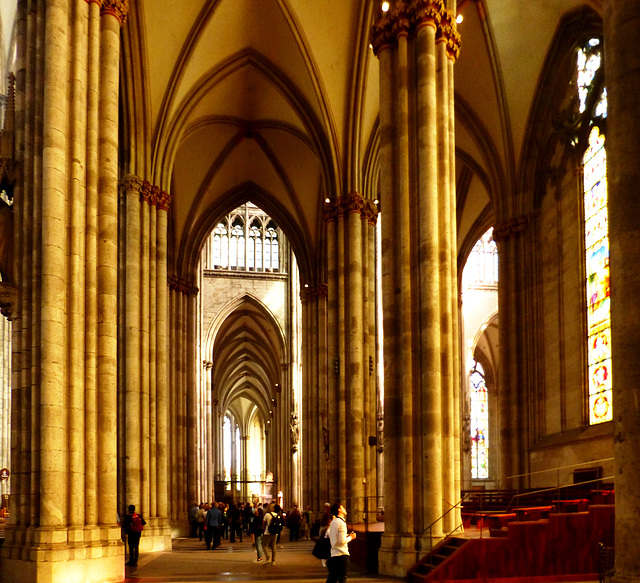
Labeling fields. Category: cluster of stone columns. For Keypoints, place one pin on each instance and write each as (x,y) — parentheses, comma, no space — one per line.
(64,421)
(416,43)
(314,406)
(183,424)
(143,357)
(349,407)
(516,244)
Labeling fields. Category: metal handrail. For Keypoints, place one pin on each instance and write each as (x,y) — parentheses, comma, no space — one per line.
(576,465)
(430,528)
(556,488)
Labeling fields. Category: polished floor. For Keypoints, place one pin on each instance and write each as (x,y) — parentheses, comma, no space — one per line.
(190,562)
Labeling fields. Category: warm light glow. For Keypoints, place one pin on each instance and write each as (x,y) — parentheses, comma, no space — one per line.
(327,200)
(385,7)
(459,18)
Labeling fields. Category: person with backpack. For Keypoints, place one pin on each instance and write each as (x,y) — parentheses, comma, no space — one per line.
(133,525)
(273,524)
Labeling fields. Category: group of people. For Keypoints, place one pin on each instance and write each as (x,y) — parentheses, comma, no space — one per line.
(263,523)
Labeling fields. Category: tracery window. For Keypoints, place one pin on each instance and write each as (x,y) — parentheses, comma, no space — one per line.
(479,423)
(245,240)
(596,231)
(482,265)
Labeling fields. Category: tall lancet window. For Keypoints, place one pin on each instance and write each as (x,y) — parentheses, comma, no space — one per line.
(479,423)
(596,234)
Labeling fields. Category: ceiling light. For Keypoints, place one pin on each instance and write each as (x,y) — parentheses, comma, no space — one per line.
(327,200)
(385,7)
(459,18)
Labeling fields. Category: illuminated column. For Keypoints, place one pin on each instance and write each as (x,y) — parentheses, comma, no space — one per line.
(143,358)
(350,279)
(622,65)
(416,43)
(65,416)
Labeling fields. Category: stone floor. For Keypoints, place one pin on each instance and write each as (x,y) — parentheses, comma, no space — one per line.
(190,562)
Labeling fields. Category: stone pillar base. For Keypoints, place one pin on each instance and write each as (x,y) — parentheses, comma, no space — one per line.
(156,537)
(74,555)
(397,554)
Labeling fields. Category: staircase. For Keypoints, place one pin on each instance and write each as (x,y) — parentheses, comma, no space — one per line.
(562,547)
(444,551)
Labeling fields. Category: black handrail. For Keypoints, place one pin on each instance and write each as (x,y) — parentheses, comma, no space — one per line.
(430,528)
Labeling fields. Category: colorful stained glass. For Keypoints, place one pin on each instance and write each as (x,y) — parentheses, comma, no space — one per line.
(589,59)
(479,423)
(597,271)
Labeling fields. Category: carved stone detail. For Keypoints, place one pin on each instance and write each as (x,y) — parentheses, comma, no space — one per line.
(118,8)
(182,286)
(405,18)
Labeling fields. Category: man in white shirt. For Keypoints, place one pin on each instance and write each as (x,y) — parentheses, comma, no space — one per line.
(338,564)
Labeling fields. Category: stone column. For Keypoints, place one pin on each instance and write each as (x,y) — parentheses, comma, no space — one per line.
(509,235)
(416,43)
(315,415)
(65,408)
(143,385)
(183,430)
(161,364)
(350,411)
(622,65)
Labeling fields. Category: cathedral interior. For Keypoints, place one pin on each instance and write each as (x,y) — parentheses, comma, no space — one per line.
(307,251)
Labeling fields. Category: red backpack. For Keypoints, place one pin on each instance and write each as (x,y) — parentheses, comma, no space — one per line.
(137,525)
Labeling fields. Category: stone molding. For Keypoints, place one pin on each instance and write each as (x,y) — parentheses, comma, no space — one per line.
(182,286)
(354,202)
(407,16)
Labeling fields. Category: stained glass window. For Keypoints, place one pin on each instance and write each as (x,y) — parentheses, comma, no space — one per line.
(479,423)
(596,241)
(597,272)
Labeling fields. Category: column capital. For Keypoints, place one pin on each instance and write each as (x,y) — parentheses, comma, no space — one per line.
(182,286)
(353,202)
(149,193)
(316,291)
(406,16)
(163,200)
(118,8)
(448,33)
(510,227)
(131,182)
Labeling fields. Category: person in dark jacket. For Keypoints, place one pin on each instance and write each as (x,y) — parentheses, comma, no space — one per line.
(132,525)
(212,527)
